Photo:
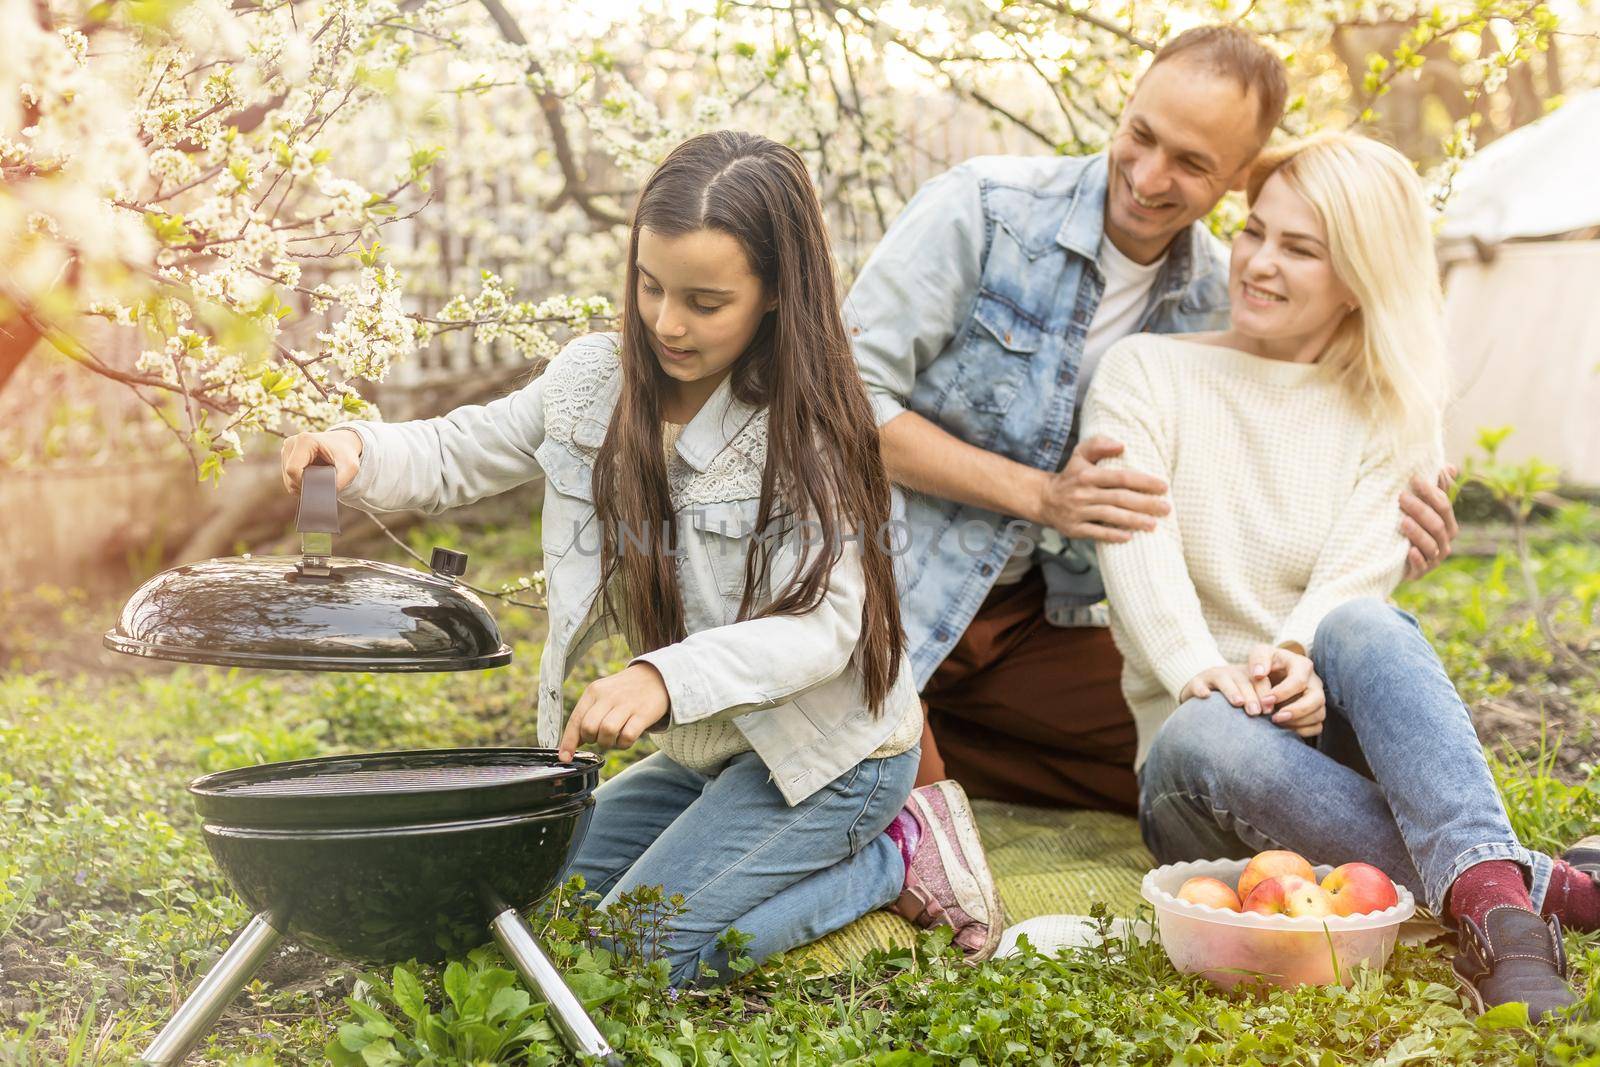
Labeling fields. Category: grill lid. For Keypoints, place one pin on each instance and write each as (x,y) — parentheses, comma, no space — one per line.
(313,612)
(392,788)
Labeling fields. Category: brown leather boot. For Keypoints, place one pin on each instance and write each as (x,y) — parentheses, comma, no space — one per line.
(1514,956)
(1585,855)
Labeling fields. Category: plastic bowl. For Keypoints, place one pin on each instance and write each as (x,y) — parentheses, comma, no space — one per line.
(1230,947)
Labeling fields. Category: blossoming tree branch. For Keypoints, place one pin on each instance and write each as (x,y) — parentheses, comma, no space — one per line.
(221,178)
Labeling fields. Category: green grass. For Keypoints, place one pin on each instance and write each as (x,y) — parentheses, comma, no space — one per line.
(110,907)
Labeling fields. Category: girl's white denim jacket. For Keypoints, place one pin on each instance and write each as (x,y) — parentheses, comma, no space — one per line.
(789,683)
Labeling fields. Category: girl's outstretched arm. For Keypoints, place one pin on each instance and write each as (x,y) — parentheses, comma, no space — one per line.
(475,451)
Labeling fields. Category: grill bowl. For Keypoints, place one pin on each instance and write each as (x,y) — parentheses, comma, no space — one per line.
(385,857)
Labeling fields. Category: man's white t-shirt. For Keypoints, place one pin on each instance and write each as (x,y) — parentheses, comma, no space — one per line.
(1122,303)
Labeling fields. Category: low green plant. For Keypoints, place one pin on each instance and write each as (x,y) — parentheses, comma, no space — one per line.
(111,908)
(261,743)
(485,1018)
(1547,813)
(1518,488)
(476,1012)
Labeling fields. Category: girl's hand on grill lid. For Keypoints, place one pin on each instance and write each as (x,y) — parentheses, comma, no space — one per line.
(342,448)
(615,711)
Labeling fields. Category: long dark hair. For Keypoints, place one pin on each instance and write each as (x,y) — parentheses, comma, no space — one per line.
(823,462)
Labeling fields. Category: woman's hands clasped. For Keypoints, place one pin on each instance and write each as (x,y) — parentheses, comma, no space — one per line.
(342,448)
(1279,682)
(616,710)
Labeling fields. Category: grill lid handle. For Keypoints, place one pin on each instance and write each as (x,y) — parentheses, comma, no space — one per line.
(318,519)
(448,563)
(319,500)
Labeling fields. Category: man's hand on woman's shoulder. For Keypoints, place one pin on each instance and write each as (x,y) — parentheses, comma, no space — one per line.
(1101,503)
(1428,521)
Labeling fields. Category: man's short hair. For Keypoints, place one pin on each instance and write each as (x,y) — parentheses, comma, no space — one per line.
(1240,56)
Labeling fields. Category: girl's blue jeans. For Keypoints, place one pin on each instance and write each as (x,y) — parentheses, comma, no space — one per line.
(742,857)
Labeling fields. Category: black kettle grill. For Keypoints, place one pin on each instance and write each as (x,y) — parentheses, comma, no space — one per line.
(378,857)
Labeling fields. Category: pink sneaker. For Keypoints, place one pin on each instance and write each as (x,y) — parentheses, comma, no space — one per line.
(947,875)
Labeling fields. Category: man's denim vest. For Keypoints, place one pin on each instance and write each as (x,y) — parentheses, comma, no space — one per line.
(972,312)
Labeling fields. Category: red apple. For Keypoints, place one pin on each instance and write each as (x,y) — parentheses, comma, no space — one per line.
(1272,864)
(1289,895)
(1357,888)
(1210,891)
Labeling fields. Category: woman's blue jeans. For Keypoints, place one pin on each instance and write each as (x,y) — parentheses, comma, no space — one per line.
(1397,778)
(742,857)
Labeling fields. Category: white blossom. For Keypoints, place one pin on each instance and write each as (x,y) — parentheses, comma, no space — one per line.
(239,180)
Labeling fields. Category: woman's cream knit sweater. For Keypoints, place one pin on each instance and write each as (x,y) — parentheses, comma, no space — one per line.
(1284,498)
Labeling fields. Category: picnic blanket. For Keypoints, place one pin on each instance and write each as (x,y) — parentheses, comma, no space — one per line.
(1045,860)
(1051,865)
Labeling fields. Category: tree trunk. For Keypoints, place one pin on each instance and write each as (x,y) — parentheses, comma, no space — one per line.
(1526,106)
(17,339)
(254,508)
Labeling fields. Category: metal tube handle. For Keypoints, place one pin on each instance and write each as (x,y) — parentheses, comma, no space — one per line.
(211,997)
(567,1013)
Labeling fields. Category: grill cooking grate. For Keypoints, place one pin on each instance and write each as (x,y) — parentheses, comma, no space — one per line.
(348,781)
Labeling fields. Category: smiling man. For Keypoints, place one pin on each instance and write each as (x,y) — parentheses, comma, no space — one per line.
(977,324)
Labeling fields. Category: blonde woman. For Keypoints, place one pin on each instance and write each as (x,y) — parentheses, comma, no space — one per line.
(1280,701)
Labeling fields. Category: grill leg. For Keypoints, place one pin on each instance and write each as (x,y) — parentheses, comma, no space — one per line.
(220,985)
(566,1010)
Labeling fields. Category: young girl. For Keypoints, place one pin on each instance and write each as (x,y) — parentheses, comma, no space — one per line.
(1280,702)
(714,493)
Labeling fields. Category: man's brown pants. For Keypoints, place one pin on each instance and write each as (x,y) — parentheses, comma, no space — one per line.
(1031,713)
